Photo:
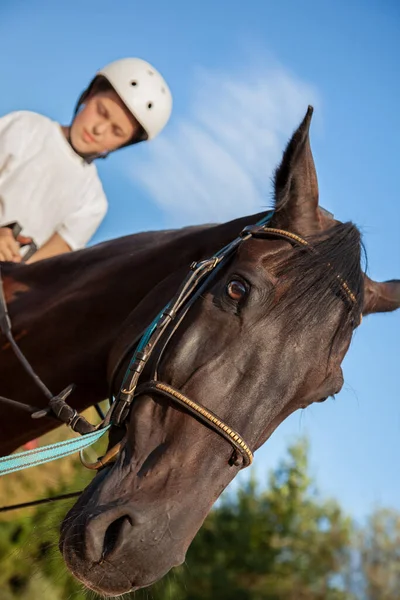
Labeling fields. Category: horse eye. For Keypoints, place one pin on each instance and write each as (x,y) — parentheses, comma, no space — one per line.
(236,290)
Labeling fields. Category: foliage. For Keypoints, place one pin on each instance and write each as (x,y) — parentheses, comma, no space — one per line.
(280,543)
(31,565)
(374,571)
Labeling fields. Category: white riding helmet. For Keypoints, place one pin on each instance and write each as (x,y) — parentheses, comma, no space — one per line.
(142,89)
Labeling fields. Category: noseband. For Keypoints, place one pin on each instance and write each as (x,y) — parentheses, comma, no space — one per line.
(200,276)
(197,281)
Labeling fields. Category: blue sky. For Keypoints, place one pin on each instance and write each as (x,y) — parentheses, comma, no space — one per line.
(242,76)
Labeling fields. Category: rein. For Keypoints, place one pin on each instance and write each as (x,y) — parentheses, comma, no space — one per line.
(198,279)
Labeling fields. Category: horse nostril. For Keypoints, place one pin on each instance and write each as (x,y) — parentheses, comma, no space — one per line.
(115,534)
(105,533)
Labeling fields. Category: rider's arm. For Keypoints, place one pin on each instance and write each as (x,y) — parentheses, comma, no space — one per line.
(55,245)
(11,139)
(79,226)
(76,230)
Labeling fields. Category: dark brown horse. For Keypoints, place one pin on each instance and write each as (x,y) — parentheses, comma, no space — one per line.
(267,336)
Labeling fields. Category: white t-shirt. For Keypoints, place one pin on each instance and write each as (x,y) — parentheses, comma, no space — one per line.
(44,184)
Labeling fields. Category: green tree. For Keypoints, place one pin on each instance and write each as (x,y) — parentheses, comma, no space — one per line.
(280,543)
(374,571)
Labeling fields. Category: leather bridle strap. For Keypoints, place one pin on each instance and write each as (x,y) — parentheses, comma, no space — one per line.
(206,416)
(264,232)
(40,502)
(57,407)
(154,333)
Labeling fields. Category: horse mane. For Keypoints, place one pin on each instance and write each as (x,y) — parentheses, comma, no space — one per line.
(315,279)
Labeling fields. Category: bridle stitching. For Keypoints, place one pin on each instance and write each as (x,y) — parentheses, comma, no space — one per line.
(209,416)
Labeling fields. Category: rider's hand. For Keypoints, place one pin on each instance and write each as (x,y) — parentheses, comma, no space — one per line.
(9,247)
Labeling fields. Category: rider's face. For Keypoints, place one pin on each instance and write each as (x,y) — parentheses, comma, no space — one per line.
(103,124)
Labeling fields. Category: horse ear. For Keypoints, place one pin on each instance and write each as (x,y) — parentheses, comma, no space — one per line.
(381,297)
(296,184)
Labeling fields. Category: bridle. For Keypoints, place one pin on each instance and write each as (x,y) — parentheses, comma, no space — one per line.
(197,281)
(162,329)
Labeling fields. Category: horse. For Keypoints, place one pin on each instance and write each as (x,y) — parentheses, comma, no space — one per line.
(264,335)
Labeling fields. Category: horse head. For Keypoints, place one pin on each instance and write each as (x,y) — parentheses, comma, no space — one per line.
(266,336)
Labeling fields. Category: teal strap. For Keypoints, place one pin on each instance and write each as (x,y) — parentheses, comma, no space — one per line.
(40,456)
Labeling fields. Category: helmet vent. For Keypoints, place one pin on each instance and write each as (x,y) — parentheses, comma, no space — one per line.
(150,105)
(133,83)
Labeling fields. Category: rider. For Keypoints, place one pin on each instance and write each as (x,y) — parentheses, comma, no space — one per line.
(48,180)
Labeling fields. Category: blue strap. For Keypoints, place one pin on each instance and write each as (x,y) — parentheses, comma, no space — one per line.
(40,456)
(266,218)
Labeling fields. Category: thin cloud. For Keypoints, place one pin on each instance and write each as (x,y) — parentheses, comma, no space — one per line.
(216,163)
